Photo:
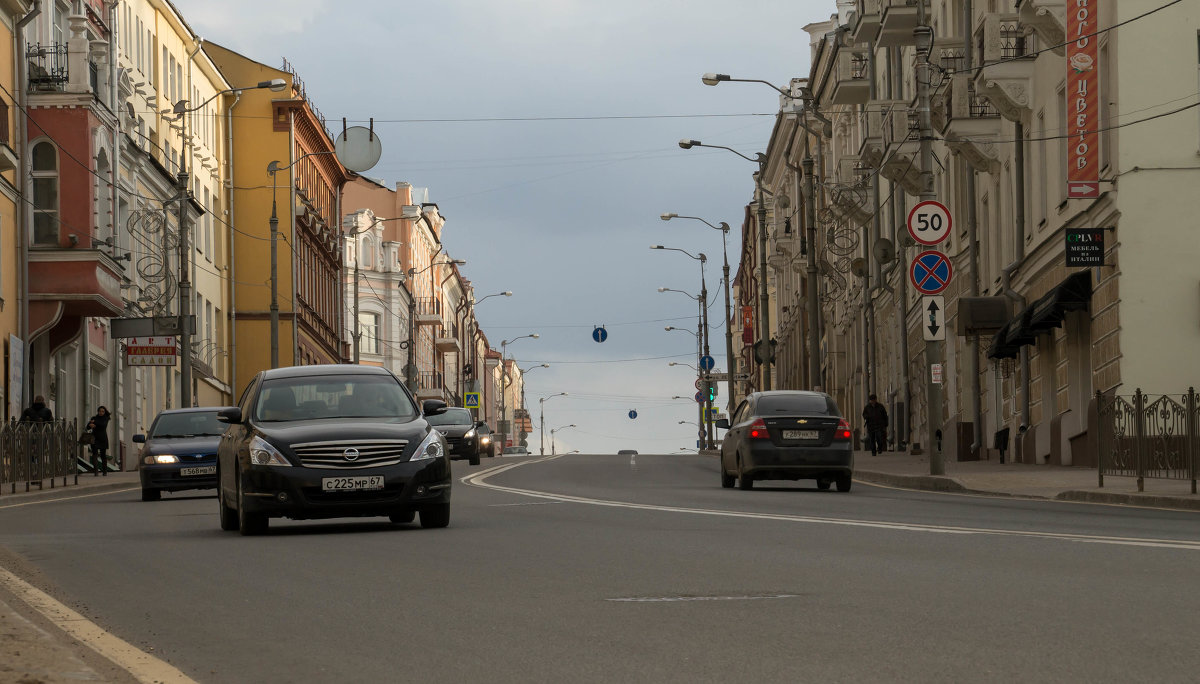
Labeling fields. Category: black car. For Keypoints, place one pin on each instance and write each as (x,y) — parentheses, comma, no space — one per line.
(461,432)
(180,451)
(312,442)
(787,435)
(487,440)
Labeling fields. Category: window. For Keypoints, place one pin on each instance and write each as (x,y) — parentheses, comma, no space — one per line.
(207,249)
(368,327)
(45,194)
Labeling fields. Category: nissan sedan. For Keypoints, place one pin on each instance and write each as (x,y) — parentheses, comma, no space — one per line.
(315,442)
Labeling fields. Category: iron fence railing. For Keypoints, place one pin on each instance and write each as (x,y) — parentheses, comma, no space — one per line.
(1143,436)
(47,66)
(34,452)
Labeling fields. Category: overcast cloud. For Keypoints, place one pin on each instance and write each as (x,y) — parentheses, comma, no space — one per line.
(560,212)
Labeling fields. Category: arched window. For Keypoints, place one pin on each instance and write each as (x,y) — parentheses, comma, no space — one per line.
(45,194)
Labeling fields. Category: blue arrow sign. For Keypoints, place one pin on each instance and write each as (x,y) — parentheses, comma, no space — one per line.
(599,334)
(632,414)
(707,363)
(931,272)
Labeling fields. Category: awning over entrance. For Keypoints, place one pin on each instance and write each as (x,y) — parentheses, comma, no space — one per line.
(1074,293)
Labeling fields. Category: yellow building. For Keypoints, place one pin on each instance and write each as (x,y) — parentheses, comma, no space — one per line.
(10,240)
(283,166)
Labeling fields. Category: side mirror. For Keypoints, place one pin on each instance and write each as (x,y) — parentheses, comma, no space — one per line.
(139,439)
(433,407)
(723,423)
(231,415)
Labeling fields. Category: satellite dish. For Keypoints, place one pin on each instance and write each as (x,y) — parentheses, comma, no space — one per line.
(358,148)
(859,267)
(884,250)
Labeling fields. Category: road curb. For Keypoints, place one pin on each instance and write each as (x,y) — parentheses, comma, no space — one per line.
(935,483)
(1139,500)
(60,491)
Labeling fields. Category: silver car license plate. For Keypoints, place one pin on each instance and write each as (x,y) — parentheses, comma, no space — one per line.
(349,484)
(801,434)
(198,470)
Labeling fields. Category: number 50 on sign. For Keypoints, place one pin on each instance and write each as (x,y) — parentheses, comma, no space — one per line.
(929,222)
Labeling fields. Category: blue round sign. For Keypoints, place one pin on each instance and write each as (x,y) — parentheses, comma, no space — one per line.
(599,334)
(632,414)
(699,397)
(707,363)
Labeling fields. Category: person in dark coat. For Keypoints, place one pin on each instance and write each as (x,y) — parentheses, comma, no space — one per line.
(37,412)
(98,426)
(876,418)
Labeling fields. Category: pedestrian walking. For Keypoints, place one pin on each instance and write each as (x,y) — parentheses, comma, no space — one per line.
(37,412)
(98,426)
(876,418)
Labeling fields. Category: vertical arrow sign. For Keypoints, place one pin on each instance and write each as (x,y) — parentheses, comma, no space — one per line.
(933,308)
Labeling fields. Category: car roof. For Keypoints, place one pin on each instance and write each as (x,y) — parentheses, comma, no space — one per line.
(324,369)
(789,393)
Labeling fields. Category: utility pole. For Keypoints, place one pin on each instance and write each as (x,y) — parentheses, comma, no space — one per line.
(764,300)
(934,351)
(810,229)
(185,297)
(730,364)
(707,383)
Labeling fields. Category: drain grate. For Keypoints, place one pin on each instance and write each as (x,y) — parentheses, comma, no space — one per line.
(676,599)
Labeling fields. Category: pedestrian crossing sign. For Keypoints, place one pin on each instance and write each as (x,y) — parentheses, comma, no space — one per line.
(471,400)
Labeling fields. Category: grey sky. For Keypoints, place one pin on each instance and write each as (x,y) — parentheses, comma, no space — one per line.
(560,212)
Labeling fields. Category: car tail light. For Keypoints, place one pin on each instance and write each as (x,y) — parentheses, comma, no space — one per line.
(758,429)
(843,430)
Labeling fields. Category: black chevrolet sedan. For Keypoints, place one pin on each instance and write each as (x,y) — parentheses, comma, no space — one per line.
(787,435)
(179,452)
(312,442)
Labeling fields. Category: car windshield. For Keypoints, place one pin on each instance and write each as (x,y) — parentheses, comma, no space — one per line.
(452,416)
(324,397)
(798,404)
(190,424)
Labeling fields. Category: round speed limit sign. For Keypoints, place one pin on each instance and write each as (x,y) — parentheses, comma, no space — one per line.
(929,222)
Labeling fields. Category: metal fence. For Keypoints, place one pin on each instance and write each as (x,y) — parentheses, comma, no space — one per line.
(1144,436)
(33,452)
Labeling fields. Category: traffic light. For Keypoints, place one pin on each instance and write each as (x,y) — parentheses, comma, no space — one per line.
(711,390)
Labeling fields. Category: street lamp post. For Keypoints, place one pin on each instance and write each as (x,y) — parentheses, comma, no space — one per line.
(504,386)
(470,305)
(558,429)
(703,337)
(766,357)
(181,109)
(524,372)
(731,366)
(542,420)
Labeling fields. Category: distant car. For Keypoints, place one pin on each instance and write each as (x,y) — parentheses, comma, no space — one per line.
(180,451)
(487,444)
(787,435)
(331,441)
(627,452)
(516,451)
(461,432)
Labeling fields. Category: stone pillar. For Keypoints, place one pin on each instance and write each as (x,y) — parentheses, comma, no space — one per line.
(78,53)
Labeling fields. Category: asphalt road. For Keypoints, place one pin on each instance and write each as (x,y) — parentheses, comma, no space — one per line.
(602,569)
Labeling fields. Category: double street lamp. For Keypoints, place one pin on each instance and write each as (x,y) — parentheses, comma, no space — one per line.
(558,429)
(729,361)
(542,420)
(504,386)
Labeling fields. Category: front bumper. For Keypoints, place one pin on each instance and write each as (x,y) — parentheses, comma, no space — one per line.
(769,461)
(295,492)
(168,478)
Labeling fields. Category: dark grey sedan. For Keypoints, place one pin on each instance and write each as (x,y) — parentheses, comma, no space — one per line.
(787,435)
(180,451)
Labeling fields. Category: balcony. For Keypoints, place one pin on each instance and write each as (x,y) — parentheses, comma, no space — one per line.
(1006,76)
(866,22)
(431,385)
(870,130)
(849,197)
(1048,19)
(850,78)
(902,145)
(897,19)
(446,345)
(68,282)
(972,123)
(428,311)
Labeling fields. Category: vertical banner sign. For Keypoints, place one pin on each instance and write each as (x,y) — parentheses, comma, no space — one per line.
(1083,98)
(747,324)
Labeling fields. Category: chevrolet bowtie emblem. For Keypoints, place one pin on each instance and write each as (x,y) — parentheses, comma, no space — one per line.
(802,421)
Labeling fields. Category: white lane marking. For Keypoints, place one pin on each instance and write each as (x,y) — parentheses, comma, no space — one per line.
(142,666)
(674,599)
(68,498)
(527,503)
(479,480)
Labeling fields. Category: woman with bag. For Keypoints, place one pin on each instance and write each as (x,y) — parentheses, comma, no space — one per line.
(98,426)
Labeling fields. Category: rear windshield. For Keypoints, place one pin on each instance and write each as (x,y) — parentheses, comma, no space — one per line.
(452,416)
(321,397)
(190,424)
(800,404)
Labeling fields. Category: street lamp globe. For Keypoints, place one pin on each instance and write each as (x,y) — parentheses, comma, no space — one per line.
(688,144)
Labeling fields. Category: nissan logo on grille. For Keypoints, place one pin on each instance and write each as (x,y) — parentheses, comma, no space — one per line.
(350,454)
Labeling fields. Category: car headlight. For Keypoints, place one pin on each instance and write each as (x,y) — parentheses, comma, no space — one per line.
(263,453)
(485,440)
(433,446)
(469,434)
(160,459)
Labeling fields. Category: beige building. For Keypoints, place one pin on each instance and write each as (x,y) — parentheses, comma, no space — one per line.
(1030,340)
